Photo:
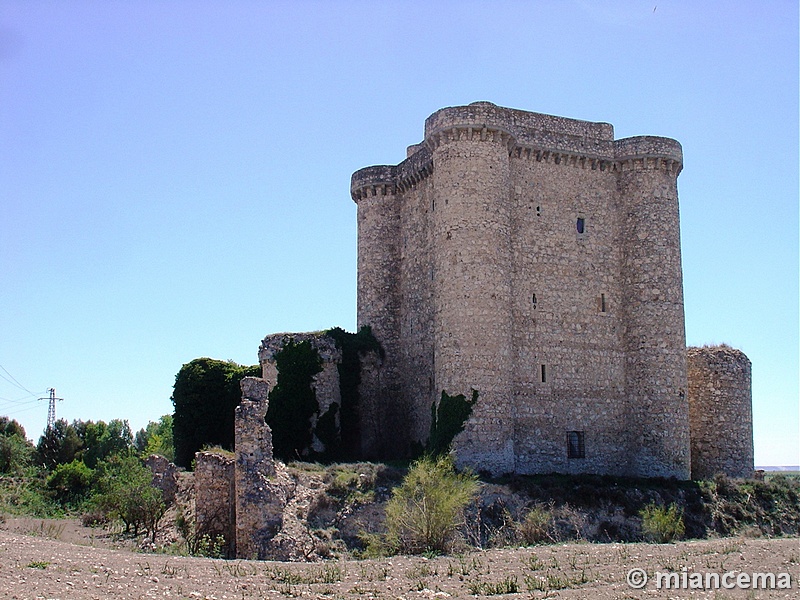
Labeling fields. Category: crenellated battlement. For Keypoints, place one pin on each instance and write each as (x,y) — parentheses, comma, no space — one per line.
(528,136)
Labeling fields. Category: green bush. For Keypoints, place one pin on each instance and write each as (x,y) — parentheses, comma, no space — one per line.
(71,482)
(427,508)
(16,454)
(205,397)
(126,494)
(662,524)
(27,494)
(537,526)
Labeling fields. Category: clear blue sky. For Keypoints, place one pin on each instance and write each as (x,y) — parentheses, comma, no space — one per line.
(174,176)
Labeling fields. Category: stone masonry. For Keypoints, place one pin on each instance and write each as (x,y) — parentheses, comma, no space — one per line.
(241,497)
(720,412)
(215,497)
(537,260)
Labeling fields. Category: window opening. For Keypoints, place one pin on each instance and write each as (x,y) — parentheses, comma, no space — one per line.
(544,373)
(534,301)
(580,225)
(538,211)
(575,444)
(602,303)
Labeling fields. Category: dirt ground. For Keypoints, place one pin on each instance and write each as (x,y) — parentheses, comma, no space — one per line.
(61,559)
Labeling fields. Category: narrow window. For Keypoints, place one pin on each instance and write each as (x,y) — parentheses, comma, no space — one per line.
(602,303)
(580,225)
(433,204)
(575,444)
(534,301)
(544,374)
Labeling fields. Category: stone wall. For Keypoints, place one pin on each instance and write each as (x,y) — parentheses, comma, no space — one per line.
(721,414)
(215,497)
(537,260)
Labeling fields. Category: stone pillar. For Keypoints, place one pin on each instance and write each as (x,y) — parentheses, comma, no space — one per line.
(720,412)
(472,278)
(652,282)
(259,502)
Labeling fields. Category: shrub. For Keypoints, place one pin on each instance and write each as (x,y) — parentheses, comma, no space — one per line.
(28,495)
(205,397)
(127,494)
(16,454)
(427,508)
(70,482)
(662,524)
(537,526)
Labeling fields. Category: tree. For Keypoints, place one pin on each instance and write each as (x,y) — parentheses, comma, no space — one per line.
(11,427)
(16,452)
(156,438)
(205,395)
(58,445)
(102,440)
(126,493)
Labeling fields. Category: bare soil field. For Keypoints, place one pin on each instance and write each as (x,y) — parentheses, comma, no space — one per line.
(83,564)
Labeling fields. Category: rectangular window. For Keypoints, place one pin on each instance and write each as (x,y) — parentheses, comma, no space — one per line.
(575,445)
(601,303)
(544,374)
(580,225)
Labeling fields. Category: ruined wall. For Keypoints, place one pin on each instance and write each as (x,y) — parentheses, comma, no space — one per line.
(215,497)
(537,260)
(165,476)
(720,412)
(325,383)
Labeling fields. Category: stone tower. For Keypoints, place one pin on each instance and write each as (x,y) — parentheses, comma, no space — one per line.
(721,413)
(536,260)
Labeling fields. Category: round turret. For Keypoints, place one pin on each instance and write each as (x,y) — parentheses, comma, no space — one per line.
(471,240)
(652,287)
(720,412)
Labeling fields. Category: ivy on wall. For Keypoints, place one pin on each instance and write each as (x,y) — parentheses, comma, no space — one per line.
(293,401)
(353,346)
(447,421)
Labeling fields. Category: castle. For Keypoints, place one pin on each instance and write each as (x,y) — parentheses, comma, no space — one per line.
(535,260)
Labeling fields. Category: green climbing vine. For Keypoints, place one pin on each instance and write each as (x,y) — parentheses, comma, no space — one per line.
(353,346)
(447,421)
(293,401)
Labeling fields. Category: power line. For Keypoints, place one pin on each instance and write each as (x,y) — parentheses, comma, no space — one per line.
(14,381)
